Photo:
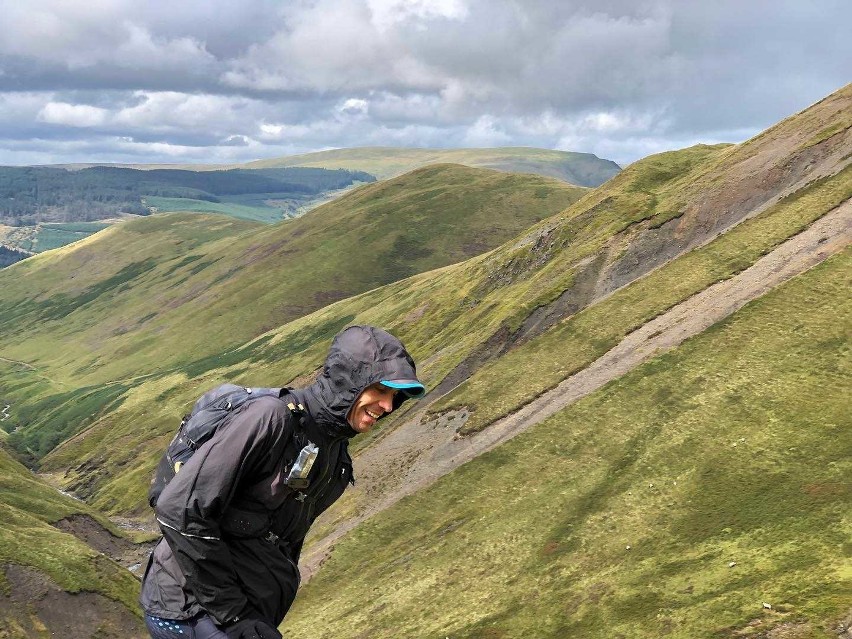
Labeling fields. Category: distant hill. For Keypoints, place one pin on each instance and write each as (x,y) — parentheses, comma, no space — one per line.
(582,169)
(674,500)
(31,195)
(167,291)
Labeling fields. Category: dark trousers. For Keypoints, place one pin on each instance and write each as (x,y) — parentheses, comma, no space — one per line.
(200,627)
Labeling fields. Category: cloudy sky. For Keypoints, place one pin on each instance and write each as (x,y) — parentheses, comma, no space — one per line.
(214,81)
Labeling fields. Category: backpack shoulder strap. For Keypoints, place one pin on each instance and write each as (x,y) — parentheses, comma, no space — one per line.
(296,409)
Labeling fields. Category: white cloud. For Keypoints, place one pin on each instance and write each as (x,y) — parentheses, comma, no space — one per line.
(140,49)
(22,106)
(172,110)
(486,132)
(353,107)
(388,13)
(97,32)
(286,132)
(609,76)
(74,115)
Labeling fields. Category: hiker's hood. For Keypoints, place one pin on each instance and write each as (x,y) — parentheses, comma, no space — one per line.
(359,356)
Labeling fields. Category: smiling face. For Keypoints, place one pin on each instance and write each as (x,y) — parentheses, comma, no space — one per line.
(373,402)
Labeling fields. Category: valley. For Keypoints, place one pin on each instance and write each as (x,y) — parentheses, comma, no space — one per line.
(423,449)
(637,422)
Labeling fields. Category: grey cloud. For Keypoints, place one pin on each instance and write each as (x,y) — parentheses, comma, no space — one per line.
(225,80)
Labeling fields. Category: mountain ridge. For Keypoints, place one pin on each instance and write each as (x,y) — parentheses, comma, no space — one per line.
(586,547)
(393,161)
(451,313)
(582,169)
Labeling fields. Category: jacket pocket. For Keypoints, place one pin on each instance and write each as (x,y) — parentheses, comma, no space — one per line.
(242,524)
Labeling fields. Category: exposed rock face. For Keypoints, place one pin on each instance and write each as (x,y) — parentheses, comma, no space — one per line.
(753,178)
(88,530)
(33,605)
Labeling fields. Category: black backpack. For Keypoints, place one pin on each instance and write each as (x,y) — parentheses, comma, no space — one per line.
(211,412)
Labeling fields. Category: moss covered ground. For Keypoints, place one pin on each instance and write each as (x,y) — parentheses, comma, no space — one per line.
(446,314)
(28,508)
(672,502)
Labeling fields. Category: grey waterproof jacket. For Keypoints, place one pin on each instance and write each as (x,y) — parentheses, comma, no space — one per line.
(232,530)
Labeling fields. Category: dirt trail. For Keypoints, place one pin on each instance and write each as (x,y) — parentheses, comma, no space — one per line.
(416,454)
(32,368)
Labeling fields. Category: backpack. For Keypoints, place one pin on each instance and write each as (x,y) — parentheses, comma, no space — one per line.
(211,412)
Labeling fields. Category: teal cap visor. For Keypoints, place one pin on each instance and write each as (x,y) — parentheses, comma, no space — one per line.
(410,387)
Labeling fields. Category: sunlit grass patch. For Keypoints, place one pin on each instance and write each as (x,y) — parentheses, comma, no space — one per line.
(537,366)
(674,501)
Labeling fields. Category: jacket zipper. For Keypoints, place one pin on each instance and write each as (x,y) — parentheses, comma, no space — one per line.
(310,496)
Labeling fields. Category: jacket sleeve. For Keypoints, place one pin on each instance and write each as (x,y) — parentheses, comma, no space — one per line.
(192,504)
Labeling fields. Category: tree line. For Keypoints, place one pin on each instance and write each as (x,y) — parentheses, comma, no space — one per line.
(31,195)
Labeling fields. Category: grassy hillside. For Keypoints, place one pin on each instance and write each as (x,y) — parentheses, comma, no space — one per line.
(583,169)
(28,538)
(673,502)
(177,291)
(532,538)
(473,320)
(543,362)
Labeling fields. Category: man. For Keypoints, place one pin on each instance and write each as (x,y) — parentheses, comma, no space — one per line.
(233,528)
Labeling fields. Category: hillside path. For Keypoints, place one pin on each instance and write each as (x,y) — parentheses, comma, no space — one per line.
(32,368)
(416,454)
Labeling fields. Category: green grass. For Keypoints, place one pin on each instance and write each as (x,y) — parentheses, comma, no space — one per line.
(136,300)
(59,416)
(734,447)
(532,369)
(265,214)
(28,507)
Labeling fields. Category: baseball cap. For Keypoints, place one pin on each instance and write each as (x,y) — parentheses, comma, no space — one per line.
(413,388)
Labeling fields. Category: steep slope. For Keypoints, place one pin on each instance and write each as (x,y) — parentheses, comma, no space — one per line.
(51,582)
(243,280)
(673,502)
(519,320)
(583,169)
(432,448)
(167,292)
